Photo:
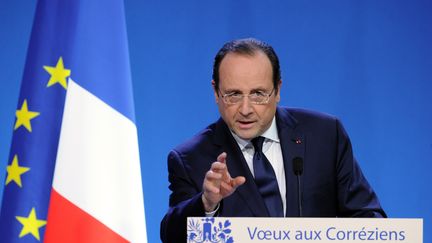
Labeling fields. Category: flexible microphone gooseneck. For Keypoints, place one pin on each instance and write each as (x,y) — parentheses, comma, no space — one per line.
(298,171)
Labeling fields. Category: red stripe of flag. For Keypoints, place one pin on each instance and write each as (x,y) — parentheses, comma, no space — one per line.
(67,223)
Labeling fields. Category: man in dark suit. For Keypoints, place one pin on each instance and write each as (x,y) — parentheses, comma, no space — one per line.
(242,165)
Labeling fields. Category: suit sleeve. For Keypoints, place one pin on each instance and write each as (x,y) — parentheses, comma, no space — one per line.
(356,197)
(185,201)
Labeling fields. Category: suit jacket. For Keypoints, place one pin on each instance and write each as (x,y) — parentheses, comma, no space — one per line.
(332,182)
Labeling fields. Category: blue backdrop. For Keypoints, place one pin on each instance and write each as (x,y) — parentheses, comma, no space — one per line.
(367,62)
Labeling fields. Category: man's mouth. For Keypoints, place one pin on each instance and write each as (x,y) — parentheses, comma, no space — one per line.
(245,124)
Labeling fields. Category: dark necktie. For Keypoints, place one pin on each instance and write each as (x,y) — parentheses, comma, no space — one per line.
(265,179)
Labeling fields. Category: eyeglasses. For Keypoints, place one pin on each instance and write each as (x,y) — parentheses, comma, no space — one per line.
(256,98)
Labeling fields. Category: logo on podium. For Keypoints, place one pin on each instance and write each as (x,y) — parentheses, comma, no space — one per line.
(209,230)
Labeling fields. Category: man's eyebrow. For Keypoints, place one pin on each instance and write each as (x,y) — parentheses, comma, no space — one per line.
(229,91)
(258,90)
(237,91)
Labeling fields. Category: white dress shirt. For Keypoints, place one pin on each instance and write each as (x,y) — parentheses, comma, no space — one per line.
(272,150)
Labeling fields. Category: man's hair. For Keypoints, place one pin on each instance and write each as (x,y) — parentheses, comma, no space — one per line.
(249,46)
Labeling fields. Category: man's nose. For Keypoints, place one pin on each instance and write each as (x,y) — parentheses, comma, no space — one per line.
(245,106)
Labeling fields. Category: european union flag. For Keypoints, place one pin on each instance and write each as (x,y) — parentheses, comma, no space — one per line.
(74,149)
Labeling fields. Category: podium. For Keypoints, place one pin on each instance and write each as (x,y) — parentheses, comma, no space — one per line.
(323,230)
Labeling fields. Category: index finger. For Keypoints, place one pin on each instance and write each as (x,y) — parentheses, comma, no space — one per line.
(222,157)
(225,174)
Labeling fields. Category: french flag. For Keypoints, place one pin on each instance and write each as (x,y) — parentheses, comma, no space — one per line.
(74,170)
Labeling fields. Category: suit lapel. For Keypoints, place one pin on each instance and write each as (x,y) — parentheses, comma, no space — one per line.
(237,166)
(292,141)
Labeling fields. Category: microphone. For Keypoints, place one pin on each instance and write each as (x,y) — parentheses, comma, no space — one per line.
(298,171)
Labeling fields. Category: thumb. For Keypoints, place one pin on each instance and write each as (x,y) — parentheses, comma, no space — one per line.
(238,181)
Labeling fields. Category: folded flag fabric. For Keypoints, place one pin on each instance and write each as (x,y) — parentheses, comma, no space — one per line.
(74,169)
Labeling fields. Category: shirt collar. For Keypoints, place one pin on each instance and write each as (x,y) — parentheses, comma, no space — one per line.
(271,134)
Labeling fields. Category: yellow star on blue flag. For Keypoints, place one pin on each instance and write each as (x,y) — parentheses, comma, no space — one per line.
(31,224)
(24,116)
(58,74)
(14,172)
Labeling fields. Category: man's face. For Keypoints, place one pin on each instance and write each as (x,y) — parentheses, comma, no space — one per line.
(245,74)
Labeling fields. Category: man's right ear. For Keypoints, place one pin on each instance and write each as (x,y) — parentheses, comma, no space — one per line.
(215,91)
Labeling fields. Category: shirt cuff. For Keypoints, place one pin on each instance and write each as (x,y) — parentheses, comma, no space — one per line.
(212,213)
